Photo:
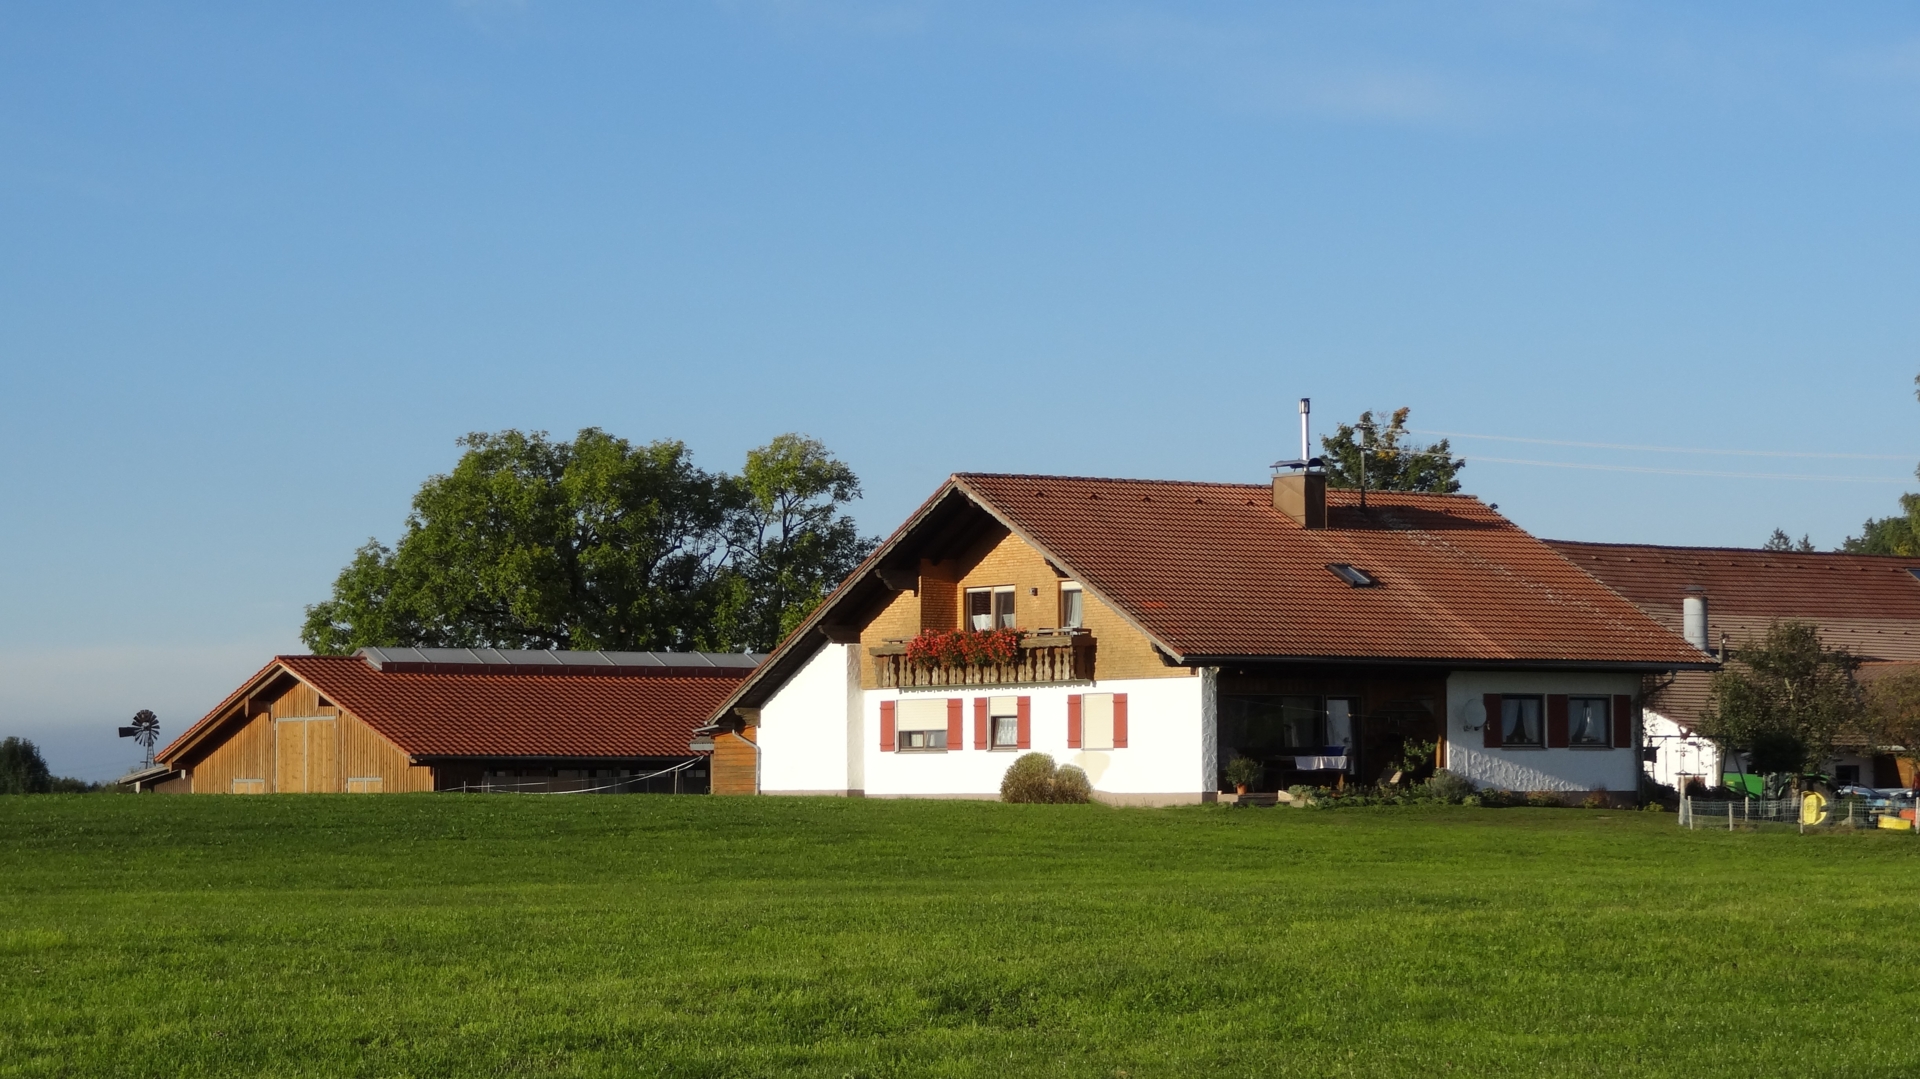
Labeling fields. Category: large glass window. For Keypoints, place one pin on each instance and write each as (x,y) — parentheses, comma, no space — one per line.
(990,608)
(1269,725)
(1590,721)
(1520,722)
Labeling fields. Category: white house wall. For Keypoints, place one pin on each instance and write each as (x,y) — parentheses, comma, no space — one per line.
(1582,769)
(1165,760)
(804,740)
(1679,754)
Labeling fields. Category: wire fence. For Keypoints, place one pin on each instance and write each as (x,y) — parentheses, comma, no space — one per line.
(620,785)
(1805,812)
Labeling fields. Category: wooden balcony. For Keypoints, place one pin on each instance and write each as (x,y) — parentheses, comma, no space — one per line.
(1046,655)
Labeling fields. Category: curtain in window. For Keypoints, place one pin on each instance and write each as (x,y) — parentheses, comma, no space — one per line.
(1520,721)
(1590,721)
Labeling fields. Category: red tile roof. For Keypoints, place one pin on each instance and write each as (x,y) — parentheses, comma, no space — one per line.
(1866,604)
(508,715)
(1214,570)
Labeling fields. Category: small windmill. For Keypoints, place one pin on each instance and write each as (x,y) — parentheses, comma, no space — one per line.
(145,731)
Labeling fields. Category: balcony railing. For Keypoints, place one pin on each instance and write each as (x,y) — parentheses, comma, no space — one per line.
(1046,655)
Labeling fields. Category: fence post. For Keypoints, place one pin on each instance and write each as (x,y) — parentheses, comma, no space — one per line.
(1729,816)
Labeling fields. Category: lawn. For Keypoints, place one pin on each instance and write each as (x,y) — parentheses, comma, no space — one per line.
(442,935)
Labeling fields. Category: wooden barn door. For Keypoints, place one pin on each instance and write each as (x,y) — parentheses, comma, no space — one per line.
(303,752)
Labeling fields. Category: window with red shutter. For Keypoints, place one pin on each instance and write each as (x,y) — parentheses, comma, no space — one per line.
(981,720)
(886,727)
(1490,733)
(1026,723)
(1073,721)
(1119,721)
(1622,721)
(1556,721)
(956,724)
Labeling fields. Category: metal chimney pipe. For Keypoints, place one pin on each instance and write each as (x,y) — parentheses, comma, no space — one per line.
(1306,408)
(1693,617)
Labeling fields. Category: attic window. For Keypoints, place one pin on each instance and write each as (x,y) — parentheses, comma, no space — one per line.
(1353,575)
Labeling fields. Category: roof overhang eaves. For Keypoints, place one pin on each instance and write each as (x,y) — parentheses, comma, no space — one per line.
(801,644)
(1166,647)
(193,736)
(544,758)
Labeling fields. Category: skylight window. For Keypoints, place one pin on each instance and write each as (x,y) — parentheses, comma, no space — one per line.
(1353,575)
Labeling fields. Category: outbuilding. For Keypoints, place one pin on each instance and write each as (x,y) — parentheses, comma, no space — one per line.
(423,719)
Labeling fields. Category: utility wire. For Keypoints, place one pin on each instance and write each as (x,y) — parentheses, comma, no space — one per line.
(1688,471)
(1669,449)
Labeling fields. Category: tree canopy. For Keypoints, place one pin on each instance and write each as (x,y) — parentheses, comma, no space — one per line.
(1781,700)
(1893,711)
(601,543)
(22,769)
(1386,459)
(1780,541)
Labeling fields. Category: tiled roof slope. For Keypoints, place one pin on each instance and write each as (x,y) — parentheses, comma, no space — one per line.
(1866,604)
(519,715)
(1215,570)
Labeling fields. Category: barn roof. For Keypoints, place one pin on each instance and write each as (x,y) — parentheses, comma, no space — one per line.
(440,706)
(1866,604)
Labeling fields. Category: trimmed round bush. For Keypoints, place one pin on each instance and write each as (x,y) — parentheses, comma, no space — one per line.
(1448,787)
(1029,779)
(1071,785)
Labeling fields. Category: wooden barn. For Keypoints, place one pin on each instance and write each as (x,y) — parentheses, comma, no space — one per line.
(424,719)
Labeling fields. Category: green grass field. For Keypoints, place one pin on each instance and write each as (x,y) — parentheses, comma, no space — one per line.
(473,935)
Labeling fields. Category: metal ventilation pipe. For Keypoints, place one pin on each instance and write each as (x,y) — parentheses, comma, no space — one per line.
(1693,617)
(1306,408)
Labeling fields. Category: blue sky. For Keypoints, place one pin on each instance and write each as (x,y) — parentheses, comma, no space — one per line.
(261,265)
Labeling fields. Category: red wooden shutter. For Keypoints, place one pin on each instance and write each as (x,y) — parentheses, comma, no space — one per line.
(1073,721)
(1119,721)
(1622,721)
(1491,732)
(1026,723)
(1556,721)
(956,724)
(886,727)
(981,723)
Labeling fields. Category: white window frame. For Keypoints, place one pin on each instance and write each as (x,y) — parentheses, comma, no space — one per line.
(920,725)
(997,616)
(1079,593)
(1001,709)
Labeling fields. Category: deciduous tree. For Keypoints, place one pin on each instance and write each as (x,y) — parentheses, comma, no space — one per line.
(1386,459)
(1782,699)
(600,543)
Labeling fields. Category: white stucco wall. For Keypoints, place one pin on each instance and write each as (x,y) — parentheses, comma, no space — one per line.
(1164,760)
(1680,755)
(808,742)
(1534,769)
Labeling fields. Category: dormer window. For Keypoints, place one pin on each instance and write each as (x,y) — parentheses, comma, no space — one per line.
(1353,575)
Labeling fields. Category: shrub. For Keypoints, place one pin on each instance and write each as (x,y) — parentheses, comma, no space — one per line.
(1032,778)
(1545,800)
(1448,787)
(1029,779)
(1495,798)
(1244,770)
(1596,799)
(1071,786)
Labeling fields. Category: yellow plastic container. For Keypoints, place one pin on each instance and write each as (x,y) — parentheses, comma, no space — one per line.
(1895,824)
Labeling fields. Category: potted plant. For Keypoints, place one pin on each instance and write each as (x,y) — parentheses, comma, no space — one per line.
(1242,772)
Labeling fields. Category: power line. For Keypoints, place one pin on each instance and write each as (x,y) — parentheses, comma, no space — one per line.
(1688,471)
(1665,449)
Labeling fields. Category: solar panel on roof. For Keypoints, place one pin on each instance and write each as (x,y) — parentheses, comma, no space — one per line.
(1353,575)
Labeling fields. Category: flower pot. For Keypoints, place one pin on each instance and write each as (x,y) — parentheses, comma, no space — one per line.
(1239,788)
